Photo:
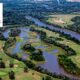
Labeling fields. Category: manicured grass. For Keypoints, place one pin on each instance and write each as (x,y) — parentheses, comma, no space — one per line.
(60,19)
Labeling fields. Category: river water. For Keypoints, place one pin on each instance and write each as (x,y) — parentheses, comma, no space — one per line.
(40,23)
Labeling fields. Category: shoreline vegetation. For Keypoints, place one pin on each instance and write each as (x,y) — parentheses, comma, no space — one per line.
(65,21)
(50,40)
(68,36)
(18,68)
(63,59)
(35,54)
(30,64)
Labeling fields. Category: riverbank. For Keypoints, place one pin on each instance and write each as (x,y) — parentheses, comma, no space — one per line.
(49,57)
(69,43)
(55,42)
(18,68)
(32,66)
(63,21)
(65,31)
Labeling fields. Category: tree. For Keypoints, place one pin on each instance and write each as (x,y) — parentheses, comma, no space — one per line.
(2,64)
(11,75)
(2,36)
(48,78)
(28,47)
(0,78)
(11,64)
(15,32)
(43,78)
(37,55)
(26,69)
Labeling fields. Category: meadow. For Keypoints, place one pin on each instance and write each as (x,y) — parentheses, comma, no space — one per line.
(62,20)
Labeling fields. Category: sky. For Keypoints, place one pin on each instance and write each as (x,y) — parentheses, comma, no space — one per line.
(74,0)
(48,0)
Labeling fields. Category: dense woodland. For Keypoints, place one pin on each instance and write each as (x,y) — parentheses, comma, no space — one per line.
(76,24)
(15,18)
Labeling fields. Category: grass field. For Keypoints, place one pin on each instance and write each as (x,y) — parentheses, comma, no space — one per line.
(60,19)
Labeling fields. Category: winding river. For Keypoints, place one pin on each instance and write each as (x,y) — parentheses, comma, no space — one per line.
(40,23)
(51,63)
